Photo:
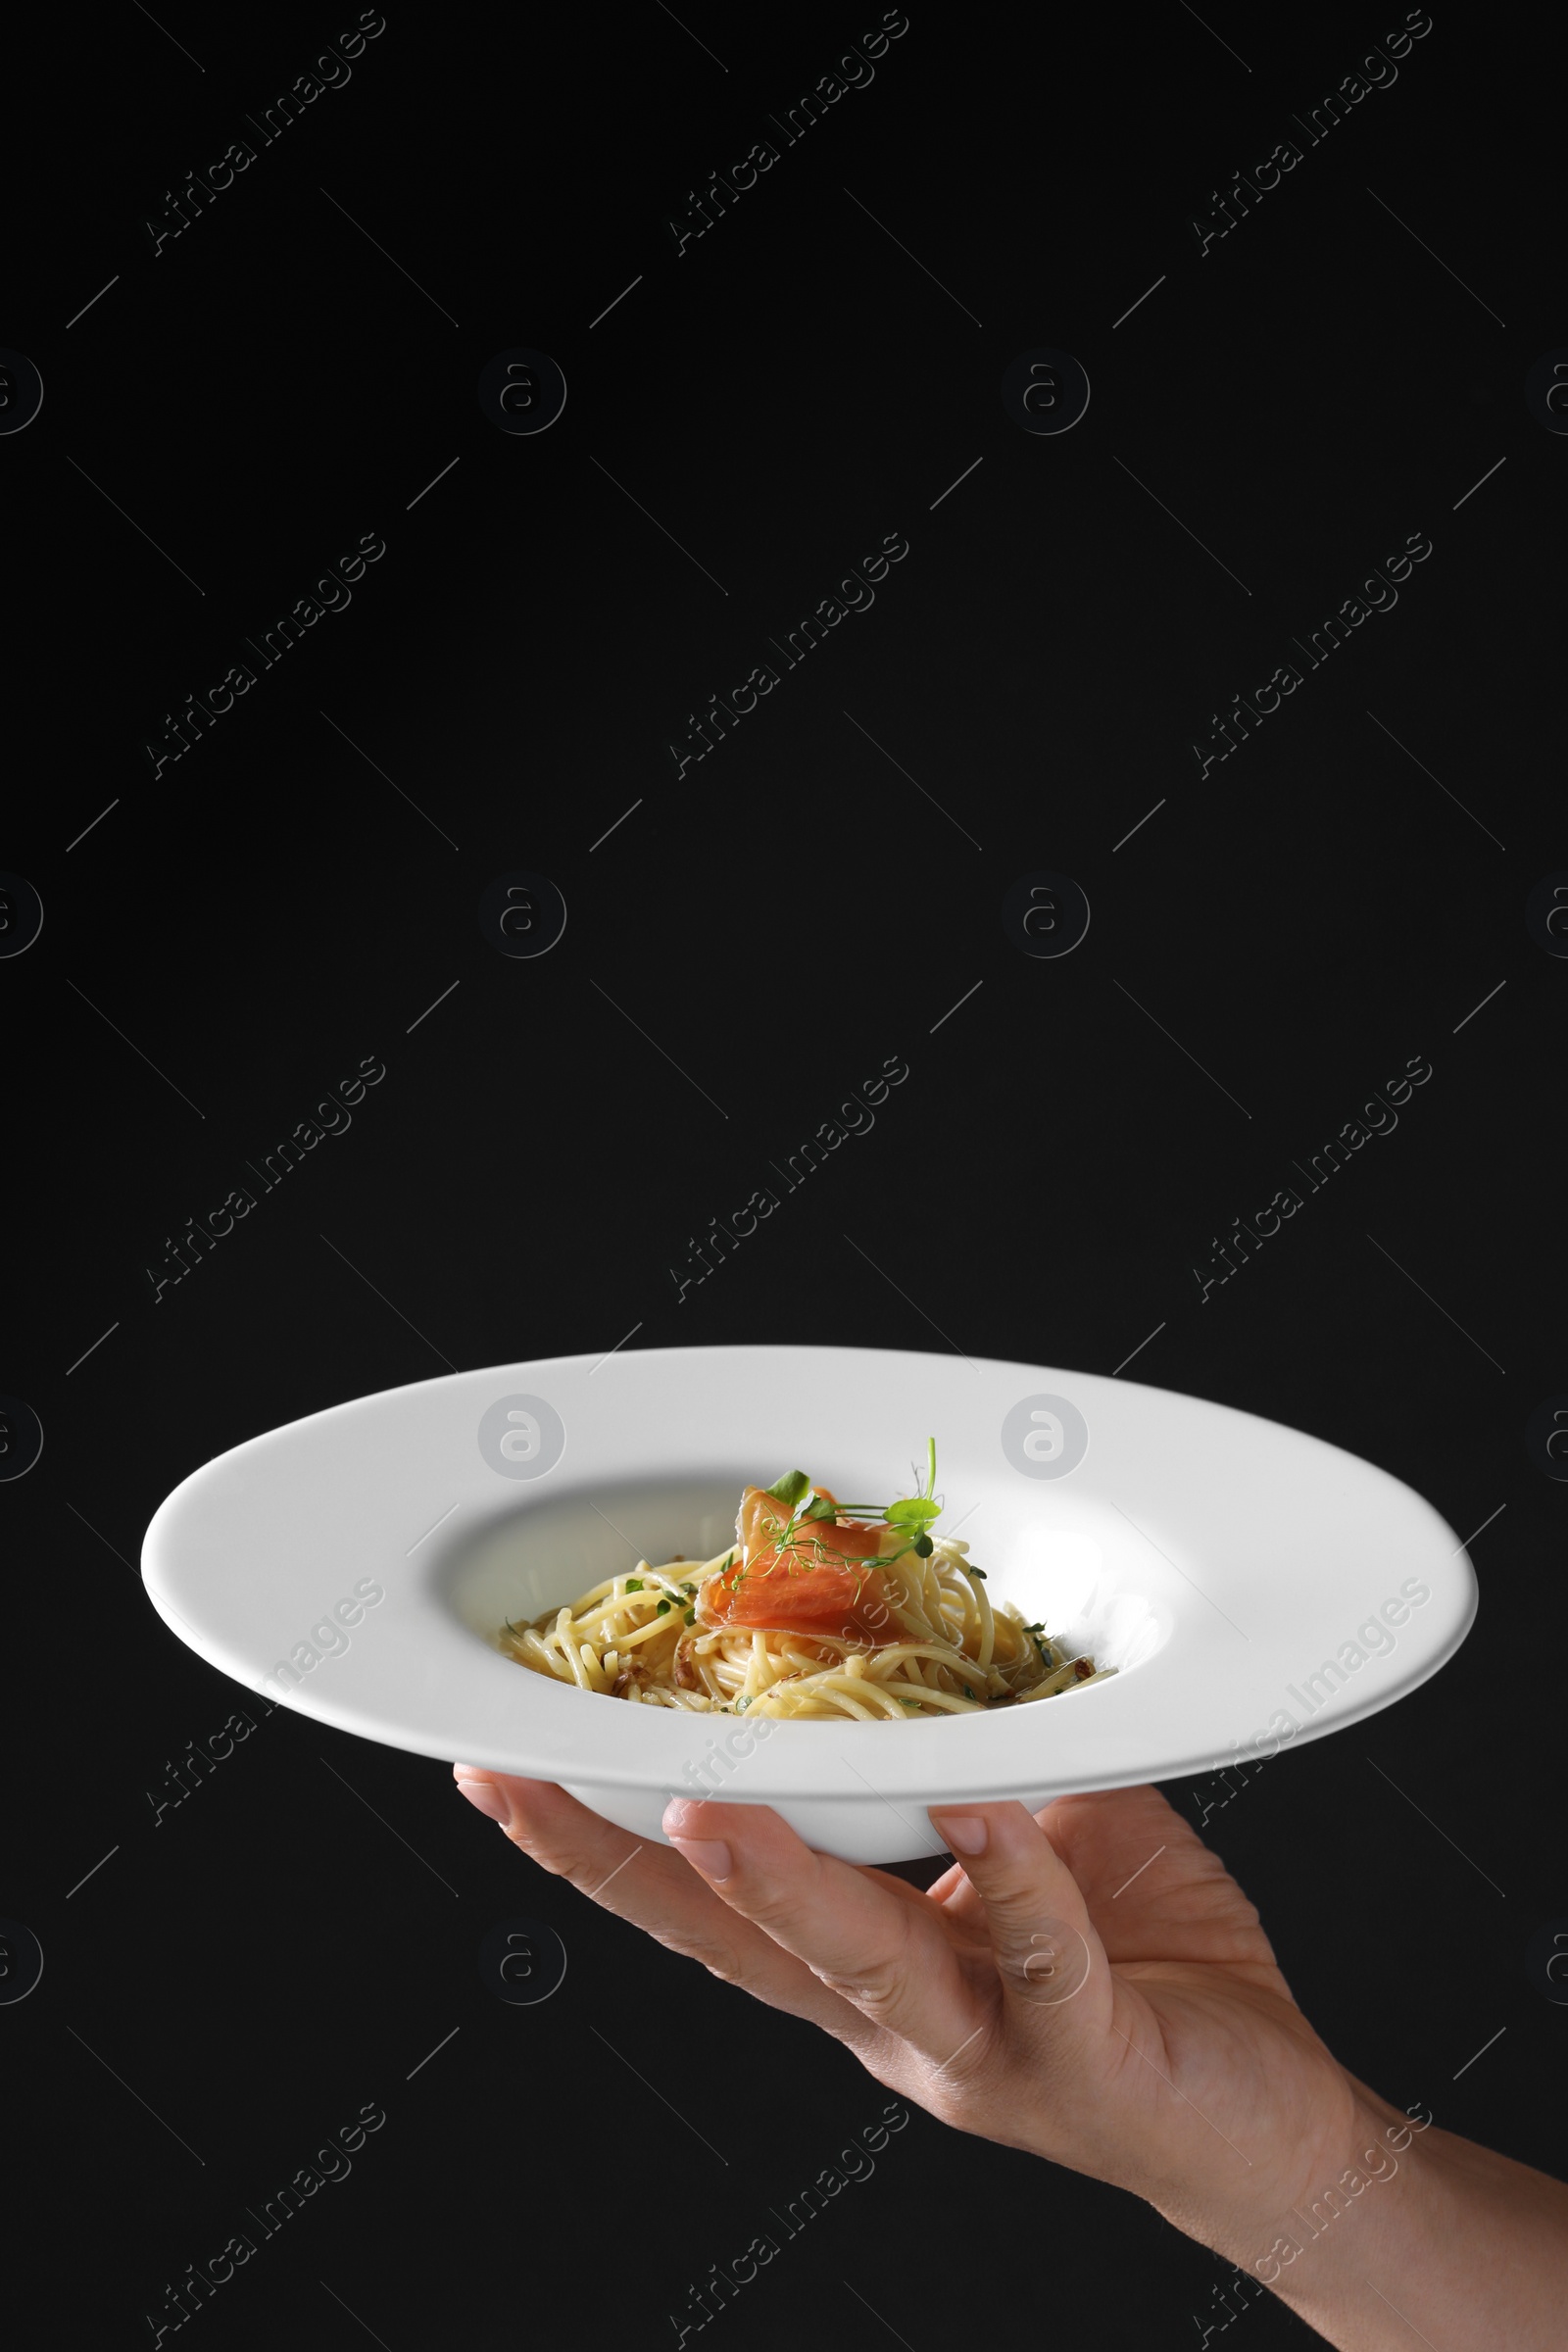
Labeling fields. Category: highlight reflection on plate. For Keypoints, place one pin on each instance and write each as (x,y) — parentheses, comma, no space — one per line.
(1253,1585)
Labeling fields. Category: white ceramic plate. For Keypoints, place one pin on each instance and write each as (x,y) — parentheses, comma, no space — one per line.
(1254,1586)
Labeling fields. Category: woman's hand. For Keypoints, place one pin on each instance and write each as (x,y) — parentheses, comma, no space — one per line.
(1089,1985)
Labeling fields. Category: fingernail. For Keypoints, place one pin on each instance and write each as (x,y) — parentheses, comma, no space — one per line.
(487,1797)
(709,1855)
(966,1832)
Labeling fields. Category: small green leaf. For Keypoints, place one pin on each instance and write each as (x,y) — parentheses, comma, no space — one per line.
(905,1702)
(663,1610)
(969,1693)
(790,1488)
(691,1617)
(916,1511)
(923,1546)
(822,1508)
(979,1572)
(634,1583)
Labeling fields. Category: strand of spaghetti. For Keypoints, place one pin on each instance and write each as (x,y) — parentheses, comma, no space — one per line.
(1062,1680)
(835,1687)
(593,1632)
(803,1700)
(761,1671)
(889,1705)
(1056,1687)
(541,1659)
(711,1681)
(605,1612)
(947,1702)
(982,1601)
(556,1648)
(916,1588)
(588,1599)
(570,1650)
(882,1663)
(652,1631)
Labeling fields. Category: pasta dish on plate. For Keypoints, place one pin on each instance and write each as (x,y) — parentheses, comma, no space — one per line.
(819,1610)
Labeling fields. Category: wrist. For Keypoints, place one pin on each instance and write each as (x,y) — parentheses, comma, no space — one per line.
(1388,2189)
(1355,2167)
(1414,2225)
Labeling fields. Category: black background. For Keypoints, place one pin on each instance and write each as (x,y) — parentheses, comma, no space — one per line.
(243,927)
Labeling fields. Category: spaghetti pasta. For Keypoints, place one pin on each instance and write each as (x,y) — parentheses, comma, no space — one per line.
(813,1614)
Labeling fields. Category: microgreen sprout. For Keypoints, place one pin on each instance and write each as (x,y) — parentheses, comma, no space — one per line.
(910,1516)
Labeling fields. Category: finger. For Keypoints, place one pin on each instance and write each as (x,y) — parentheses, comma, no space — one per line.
(563,1835)
(1048,1959)
(852,1928)
(959,1899)
(651,1888)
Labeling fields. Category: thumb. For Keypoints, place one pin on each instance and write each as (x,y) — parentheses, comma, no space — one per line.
(1050,1961)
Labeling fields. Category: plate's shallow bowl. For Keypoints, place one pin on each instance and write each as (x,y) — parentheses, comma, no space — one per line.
(1254,1586)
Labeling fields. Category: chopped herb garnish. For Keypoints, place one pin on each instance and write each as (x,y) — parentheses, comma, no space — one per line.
(634,1583)
(979,1572)
(969,1693)
(691,1617)
(663,1610)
